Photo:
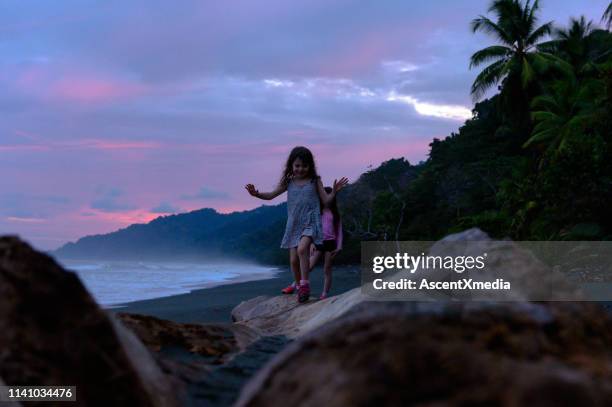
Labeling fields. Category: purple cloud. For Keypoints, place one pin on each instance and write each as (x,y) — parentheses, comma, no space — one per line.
(109,201)
(165,207)
(206,193)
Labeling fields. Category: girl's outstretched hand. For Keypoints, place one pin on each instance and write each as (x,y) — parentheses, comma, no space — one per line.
(338,185)
(251,189)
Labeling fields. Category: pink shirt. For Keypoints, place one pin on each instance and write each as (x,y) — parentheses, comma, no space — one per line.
(329,232)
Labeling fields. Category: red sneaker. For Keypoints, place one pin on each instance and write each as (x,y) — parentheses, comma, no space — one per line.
(303,292)
(290,289)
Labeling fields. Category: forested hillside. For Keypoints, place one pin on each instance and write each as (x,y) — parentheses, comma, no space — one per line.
(198,235)
(534,162)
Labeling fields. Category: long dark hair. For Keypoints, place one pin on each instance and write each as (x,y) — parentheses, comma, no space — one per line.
(303,154)
(333,207)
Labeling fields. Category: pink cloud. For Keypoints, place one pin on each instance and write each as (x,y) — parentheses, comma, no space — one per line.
(25,220)
(30,78)
(236,207)
(121,218)
(242,149)
(361,56)
(364,53)
(84,89)
(87,144)
(61,83)
(26,134)
(100,144)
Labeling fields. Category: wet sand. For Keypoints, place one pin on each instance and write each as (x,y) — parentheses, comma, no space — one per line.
(215,304)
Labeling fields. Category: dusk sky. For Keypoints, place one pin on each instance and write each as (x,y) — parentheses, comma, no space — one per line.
(116,112)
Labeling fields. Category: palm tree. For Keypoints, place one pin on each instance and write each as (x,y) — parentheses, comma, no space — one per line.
(607,16)
(575,44)
(566,111)
(516,58)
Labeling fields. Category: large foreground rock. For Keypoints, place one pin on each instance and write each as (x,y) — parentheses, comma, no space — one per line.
(53,333)
(398,354)
(281,315)
(353,352)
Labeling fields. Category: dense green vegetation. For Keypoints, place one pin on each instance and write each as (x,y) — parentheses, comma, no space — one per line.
(533,163)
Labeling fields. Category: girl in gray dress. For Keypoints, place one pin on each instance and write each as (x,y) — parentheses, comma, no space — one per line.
(304,193)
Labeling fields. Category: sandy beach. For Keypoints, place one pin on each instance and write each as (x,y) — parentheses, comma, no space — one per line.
(220,386)
(215,304)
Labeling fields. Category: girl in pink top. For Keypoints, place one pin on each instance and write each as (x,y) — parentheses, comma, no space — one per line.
(332,241)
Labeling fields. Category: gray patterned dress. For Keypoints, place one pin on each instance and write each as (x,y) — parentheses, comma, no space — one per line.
(303,214)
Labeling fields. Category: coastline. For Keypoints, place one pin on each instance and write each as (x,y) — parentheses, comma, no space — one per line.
(273,273)
(214,304)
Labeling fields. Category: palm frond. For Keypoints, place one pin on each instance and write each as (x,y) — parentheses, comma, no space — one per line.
(552,46)
(579,121)
(607,16)
(544,102)
(532,11)
(542,115)
(487,26)
(527,73)
(567,110)
(575,125)
(539,32)
(544,60)
(591,90)
(501,8)
(488,77)
(541,136)
(488,54)
(530,18)
(555,122)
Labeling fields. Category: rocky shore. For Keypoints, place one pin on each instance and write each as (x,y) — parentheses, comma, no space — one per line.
(342,351)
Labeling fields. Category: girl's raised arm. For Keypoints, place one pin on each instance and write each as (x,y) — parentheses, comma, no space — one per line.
(265,195)
(338,185)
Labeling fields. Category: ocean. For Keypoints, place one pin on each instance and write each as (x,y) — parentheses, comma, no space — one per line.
(113,283)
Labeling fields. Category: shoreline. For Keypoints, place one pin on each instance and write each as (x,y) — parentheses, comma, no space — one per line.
(214,304)
(114,282)
(273,273)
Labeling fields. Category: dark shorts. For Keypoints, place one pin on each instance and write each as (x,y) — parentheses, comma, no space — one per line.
(327,246)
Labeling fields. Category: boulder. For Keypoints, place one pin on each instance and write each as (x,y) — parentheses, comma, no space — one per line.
(282,315)
(350,350)
(515,262)
(506,354)
(219,342)
(52,332)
